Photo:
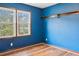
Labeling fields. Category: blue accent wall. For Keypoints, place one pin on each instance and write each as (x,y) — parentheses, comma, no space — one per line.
(37,28)
(63,31)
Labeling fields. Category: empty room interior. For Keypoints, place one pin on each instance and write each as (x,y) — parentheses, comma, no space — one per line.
(39,29)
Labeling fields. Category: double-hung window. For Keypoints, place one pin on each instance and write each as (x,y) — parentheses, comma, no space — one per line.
(7,22)
(23,23)
(14,23)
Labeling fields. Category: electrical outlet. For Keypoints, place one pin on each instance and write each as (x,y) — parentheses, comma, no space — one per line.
(11,44)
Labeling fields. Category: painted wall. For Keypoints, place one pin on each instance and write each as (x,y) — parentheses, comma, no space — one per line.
(63,31)
(37,29)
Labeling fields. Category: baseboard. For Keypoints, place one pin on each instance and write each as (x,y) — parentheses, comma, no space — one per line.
(64,49)
(17,49)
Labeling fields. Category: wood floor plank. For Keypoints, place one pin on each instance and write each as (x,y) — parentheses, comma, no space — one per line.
(71,54)
(39,50)
(30,50)
(50,52)
(14,51)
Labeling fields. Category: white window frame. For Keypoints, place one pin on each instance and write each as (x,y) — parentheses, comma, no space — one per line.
(29,23)
(14,21)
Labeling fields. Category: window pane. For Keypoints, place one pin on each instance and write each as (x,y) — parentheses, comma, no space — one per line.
(6,29)
(7,22)
(23,22)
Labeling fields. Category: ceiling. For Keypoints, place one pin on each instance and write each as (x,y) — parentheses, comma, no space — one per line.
(41,5)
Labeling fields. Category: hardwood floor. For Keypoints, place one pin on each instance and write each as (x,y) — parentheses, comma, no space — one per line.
(39,50)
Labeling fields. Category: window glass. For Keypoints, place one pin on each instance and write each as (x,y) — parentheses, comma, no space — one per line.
(24,22)
(7,22)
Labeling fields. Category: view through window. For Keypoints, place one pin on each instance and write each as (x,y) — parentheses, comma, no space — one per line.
(7,22)
(23,21)
(10,25)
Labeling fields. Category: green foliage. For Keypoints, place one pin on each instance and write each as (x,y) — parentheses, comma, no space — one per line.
(6,29)
(23,30)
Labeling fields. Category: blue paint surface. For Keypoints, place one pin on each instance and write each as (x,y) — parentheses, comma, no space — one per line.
(63,31)
(37,28)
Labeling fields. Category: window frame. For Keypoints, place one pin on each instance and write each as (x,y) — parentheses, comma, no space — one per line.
(14,21)
(15,26)
(30,31)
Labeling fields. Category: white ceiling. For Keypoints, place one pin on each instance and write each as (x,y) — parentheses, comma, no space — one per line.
(41,5)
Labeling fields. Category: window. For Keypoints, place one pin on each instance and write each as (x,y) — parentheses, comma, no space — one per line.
(7,22)
(11,26)
(23,23)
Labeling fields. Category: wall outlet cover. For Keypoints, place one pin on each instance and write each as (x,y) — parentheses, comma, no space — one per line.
(11,44)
